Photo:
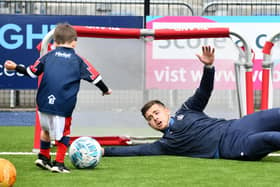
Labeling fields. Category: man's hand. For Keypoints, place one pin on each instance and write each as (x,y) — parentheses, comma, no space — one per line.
(207,57)
(10,65)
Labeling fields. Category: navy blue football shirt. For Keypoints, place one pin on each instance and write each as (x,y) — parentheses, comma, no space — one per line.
(61,70)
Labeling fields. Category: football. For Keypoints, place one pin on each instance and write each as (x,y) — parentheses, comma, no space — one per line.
(85,152)
(7,173)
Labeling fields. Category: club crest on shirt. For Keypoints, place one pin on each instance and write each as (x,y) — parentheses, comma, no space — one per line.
(180,117)
(51,99)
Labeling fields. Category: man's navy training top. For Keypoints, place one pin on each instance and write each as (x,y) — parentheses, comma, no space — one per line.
(192,132)
(61,69)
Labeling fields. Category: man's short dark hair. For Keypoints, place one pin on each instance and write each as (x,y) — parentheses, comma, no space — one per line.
(149,104)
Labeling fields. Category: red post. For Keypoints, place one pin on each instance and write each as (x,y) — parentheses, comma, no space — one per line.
(249,92)
(265,89)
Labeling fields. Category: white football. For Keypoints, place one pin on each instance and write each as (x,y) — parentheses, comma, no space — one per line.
(85,152)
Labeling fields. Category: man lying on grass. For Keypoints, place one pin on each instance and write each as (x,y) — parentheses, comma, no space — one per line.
(194,134)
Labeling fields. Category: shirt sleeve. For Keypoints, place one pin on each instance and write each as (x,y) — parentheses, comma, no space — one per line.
(89,73)
(102,86)
(36,69)
(155,148)
(202,95)
(33,70)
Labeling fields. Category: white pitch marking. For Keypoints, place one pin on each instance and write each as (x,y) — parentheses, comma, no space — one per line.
(22,153)
(32,153)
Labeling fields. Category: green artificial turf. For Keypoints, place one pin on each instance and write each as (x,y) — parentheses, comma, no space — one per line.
(148,171)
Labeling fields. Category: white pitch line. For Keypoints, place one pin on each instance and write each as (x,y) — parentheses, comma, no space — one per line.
(32,153)
(21,153)
(274,154)
(17,153)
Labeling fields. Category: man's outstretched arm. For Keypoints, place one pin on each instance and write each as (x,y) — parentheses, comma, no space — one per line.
(201,97)
(155,148)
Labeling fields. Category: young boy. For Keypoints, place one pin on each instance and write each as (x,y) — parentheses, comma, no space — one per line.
(61,70)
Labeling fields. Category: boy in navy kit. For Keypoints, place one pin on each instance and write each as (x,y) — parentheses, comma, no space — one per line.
(190,132)
(61,70)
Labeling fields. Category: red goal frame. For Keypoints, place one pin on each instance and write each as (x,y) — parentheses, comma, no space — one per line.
(243,70)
